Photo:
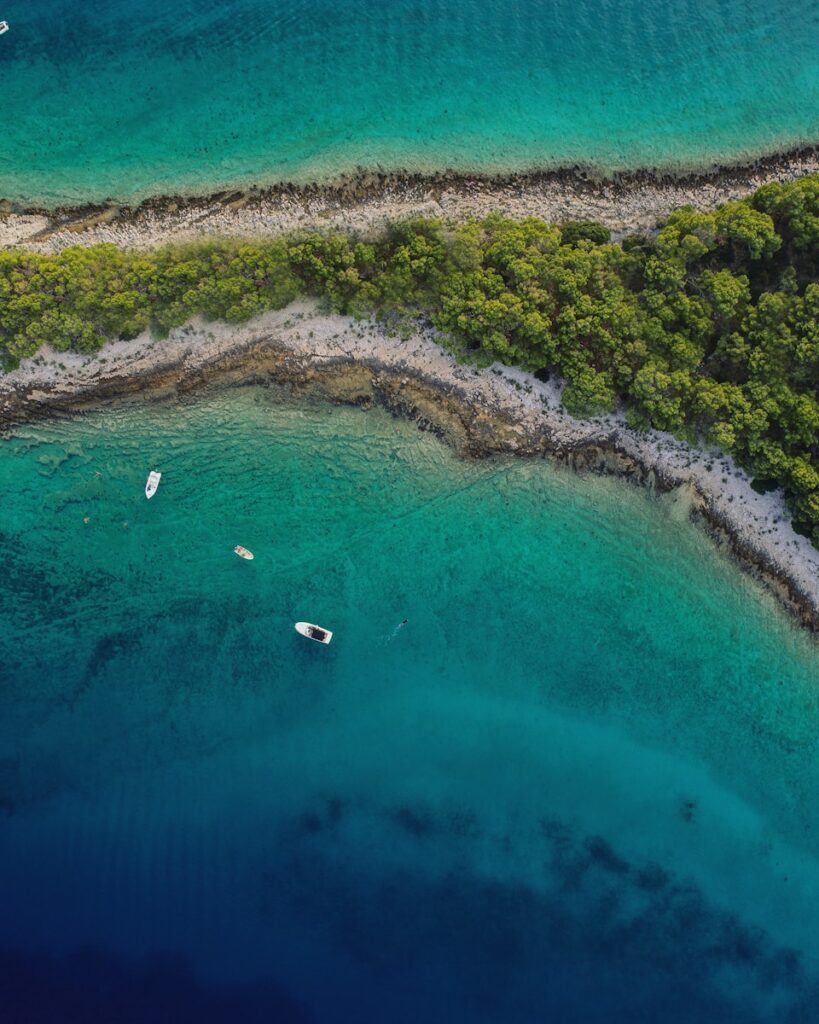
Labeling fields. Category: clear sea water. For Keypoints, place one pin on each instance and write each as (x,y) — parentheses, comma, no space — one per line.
(579,785)
(126,99)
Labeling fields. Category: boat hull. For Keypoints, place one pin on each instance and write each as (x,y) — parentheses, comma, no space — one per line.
(314,632)
(153,483)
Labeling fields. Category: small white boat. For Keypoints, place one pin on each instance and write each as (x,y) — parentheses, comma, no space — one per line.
(322,636)
(243,552)
(4,27)
(152,484)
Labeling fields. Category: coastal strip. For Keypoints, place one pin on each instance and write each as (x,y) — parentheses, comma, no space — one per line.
(368,200)
(484,412)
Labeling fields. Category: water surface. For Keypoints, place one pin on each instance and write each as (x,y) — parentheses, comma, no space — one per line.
(579,784)
(130,99)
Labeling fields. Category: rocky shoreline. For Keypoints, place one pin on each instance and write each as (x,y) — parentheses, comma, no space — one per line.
(478,412)
(367,199)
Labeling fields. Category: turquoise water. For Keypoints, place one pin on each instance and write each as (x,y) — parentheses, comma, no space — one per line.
(579,784)
(129,99)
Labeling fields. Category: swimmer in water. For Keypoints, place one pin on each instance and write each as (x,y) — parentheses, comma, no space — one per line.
(403,622)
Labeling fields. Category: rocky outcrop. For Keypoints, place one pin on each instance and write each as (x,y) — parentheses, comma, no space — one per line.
(479,413)
(366,200)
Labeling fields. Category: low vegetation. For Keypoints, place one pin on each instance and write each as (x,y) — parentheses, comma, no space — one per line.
(710,329)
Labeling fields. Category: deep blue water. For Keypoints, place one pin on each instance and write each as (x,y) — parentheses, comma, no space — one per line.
(126,99)
(578,786)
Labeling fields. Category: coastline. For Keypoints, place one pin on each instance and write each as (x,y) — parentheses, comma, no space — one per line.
(368,199)
(494,411)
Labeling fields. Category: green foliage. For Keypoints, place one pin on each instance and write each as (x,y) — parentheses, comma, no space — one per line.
(794,209)
(750,233)
(711,329)
(576,230)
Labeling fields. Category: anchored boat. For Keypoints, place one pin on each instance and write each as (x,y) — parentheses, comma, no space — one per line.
(243,552)
(4,27)
(152,484)
(312,632)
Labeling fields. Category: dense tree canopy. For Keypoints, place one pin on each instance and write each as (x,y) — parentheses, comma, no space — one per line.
(709,330)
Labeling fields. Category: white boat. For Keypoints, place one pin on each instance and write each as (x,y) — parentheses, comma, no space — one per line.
(4,27)
(152,484)
(243,552)
(322,636)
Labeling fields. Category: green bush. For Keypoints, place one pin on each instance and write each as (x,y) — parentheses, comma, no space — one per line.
(709,330)
(576,230)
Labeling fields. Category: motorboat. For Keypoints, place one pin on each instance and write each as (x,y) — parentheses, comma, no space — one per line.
(4,27)
(312,632)
(243,552)
(152,484)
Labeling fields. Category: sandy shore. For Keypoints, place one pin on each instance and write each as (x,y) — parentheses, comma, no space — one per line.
(479,412)
(367,200)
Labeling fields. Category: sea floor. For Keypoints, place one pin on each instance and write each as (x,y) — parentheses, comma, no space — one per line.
(577,785)
(131,100)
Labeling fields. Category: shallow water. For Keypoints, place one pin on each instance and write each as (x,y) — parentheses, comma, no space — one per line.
(578,785)
(124,99)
